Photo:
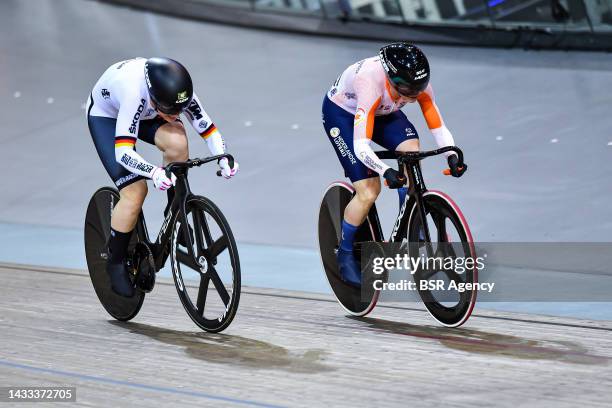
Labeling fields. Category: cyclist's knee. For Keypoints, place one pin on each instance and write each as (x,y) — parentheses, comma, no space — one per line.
(411,145)
(171,139)
(177,150)
(172,129)
(132,197)
(368,191)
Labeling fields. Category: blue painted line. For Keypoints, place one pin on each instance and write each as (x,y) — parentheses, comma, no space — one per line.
(137,385)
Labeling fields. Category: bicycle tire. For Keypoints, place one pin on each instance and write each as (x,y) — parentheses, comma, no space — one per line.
(196,311)
(331,213)
(96,235)
(442,205)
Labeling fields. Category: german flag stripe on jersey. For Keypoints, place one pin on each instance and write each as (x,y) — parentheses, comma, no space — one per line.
(210,131)
(125,141)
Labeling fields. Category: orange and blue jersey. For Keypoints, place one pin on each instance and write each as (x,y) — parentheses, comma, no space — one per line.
(364,93)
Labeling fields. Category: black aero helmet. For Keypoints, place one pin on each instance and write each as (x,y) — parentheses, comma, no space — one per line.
(169,84)
(406,66)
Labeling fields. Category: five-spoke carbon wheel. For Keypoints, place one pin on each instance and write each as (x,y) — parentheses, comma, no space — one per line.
(205,265)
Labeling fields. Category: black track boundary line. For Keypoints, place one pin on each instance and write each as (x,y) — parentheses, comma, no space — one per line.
(81,273)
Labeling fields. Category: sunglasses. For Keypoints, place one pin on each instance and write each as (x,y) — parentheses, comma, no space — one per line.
(407,90)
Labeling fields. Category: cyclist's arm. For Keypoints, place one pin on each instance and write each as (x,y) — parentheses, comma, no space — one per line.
(128,121)
(368,100)
(204,125)
(440,132)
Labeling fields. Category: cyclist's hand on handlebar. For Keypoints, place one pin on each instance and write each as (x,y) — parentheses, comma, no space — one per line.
(227,171)
(161,181)
(394,178)
(456,169)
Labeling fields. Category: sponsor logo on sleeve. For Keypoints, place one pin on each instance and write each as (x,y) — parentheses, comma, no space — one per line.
(136,118)
(368,161)
(194,110)
(359,65)
(136,164)
(334,132)
(105,93)
(359,116)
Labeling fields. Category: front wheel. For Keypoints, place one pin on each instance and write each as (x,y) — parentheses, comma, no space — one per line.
(451,239)
(205,265)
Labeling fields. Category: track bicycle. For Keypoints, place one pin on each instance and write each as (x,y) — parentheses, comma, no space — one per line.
(195,236)
(429,222)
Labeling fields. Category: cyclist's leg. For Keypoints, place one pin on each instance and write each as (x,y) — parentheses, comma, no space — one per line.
(396,133)
(132,191)
(338,125)
(125,213)
(124,218)
(132,187)
(366,193)
(123,221)
(171,139)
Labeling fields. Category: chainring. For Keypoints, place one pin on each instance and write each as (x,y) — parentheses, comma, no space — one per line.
(144,267)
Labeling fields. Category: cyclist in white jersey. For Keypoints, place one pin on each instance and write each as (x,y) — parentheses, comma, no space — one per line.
(143,99)
(363,106)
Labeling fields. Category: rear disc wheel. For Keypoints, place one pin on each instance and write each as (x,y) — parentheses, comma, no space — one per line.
(331,214)
(97,234)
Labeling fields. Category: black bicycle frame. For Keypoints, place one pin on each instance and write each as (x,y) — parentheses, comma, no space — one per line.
(177,212)
(410,162)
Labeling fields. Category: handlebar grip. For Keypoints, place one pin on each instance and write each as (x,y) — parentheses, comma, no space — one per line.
(168,172)
(394,188)
(460,157)
(447,172)
(218,173)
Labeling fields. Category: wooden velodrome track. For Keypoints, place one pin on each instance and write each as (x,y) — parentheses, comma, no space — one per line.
(290,349)
(535,129)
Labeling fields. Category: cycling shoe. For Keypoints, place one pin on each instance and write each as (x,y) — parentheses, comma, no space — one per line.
(349,268)
(120,279)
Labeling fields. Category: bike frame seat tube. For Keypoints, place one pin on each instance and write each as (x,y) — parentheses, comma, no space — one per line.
(182,191)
